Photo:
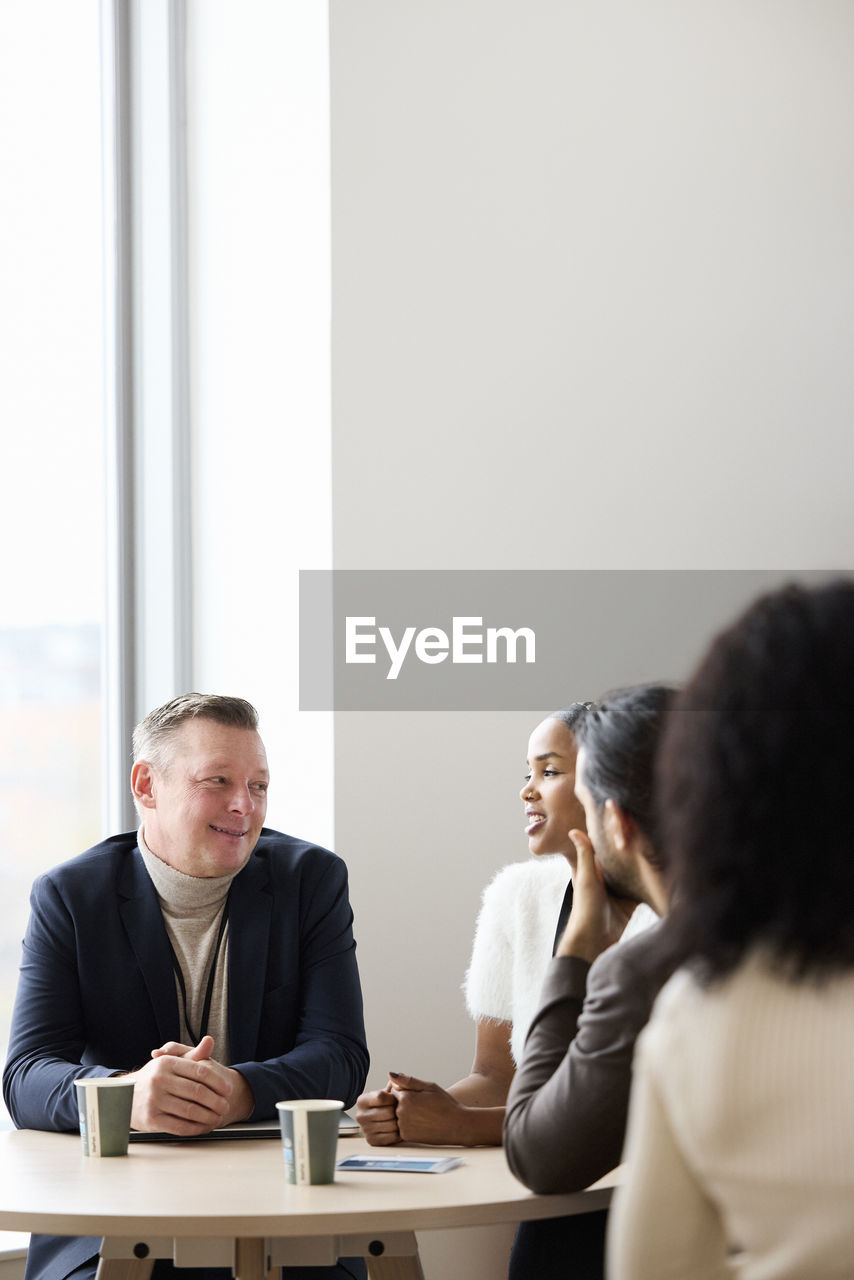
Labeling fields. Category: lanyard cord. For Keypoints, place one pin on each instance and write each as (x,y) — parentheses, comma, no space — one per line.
(206,1011)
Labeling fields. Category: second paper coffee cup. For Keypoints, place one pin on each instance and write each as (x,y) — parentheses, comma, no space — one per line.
(310,1138)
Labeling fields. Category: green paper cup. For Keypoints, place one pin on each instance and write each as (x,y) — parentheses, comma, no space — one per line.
(310,1139)
(104,1105)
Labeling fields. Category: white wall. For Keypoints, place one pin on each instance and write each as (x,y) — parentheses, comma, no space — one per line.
(592,308)
(583,246)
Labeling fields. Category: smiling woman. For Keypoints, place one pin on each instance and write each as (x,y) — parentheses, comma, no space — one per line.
(522,912)
(548,793)
(526,904)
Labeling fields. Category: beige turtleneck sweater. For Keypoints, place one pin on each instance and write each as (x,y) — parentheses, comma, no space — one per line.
(192,908)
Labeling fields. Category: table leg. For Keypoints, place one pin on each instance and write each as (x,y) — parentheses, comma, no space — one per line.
(404,1268)
(124,1268)
(250,1258)
(391,1256)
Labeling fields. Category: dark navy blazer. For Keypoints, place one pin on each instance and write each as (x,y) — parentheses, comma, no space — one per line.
(97,992)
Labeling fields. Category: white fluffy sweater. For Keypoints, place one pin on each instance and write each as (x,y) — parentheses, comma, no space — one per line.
(513,942)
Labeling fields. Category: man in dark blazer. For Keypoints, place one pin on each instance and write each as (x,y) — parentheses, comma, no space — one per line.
(206,956)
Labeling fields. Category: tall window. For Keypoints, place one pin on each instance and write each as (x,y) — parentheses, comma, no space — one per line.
(246,87)
(51,417)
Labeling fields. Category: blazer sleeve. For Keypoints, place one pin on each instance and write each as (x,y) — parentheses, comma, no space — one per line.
(47,1039)
(567,1106)
(311,1040)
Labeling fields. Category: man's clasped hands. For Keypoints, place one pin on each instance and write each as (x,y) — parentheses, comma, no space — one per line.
(185,1091)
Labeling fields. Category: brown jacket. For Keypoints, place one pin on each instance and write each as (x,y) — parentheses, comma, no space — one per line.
(568,1103)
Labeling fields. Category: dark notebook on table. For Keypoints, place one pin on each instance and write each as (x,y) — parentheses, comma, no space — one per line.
(347,1127)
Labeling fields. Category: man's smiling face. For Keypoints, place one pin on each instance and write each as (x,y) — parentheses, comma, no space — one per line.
(203,812)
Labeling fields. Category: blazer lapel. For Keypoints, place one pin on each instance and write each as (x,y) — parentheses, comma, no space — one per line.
(143,923)
(250,907)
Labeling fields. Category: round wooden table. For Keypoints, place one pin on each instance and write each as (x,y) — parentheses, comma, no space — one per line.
(226,1203)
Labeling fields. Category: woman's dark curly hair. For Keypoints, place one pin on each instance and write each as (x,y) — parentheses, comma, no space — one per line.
(620,736)
(755,779)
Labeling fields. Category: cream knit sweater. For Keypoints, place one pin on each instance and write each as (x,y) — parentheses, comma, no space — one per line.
(740,1148)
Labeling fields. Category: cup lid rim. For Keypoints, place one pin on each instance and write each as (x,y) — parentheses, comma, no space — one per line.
(101,1082)
(316,1104)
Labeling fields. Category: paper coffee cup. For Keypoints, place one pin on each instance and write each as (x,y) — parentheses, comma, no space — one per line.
(104,1106)
(310,1139)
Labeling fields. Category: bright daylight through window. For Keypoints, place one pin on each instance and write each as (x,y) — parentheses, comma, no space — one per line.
(51,410)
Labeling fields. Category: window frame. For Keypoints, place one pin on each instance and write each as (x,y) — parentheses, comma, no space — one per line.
(149,636)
